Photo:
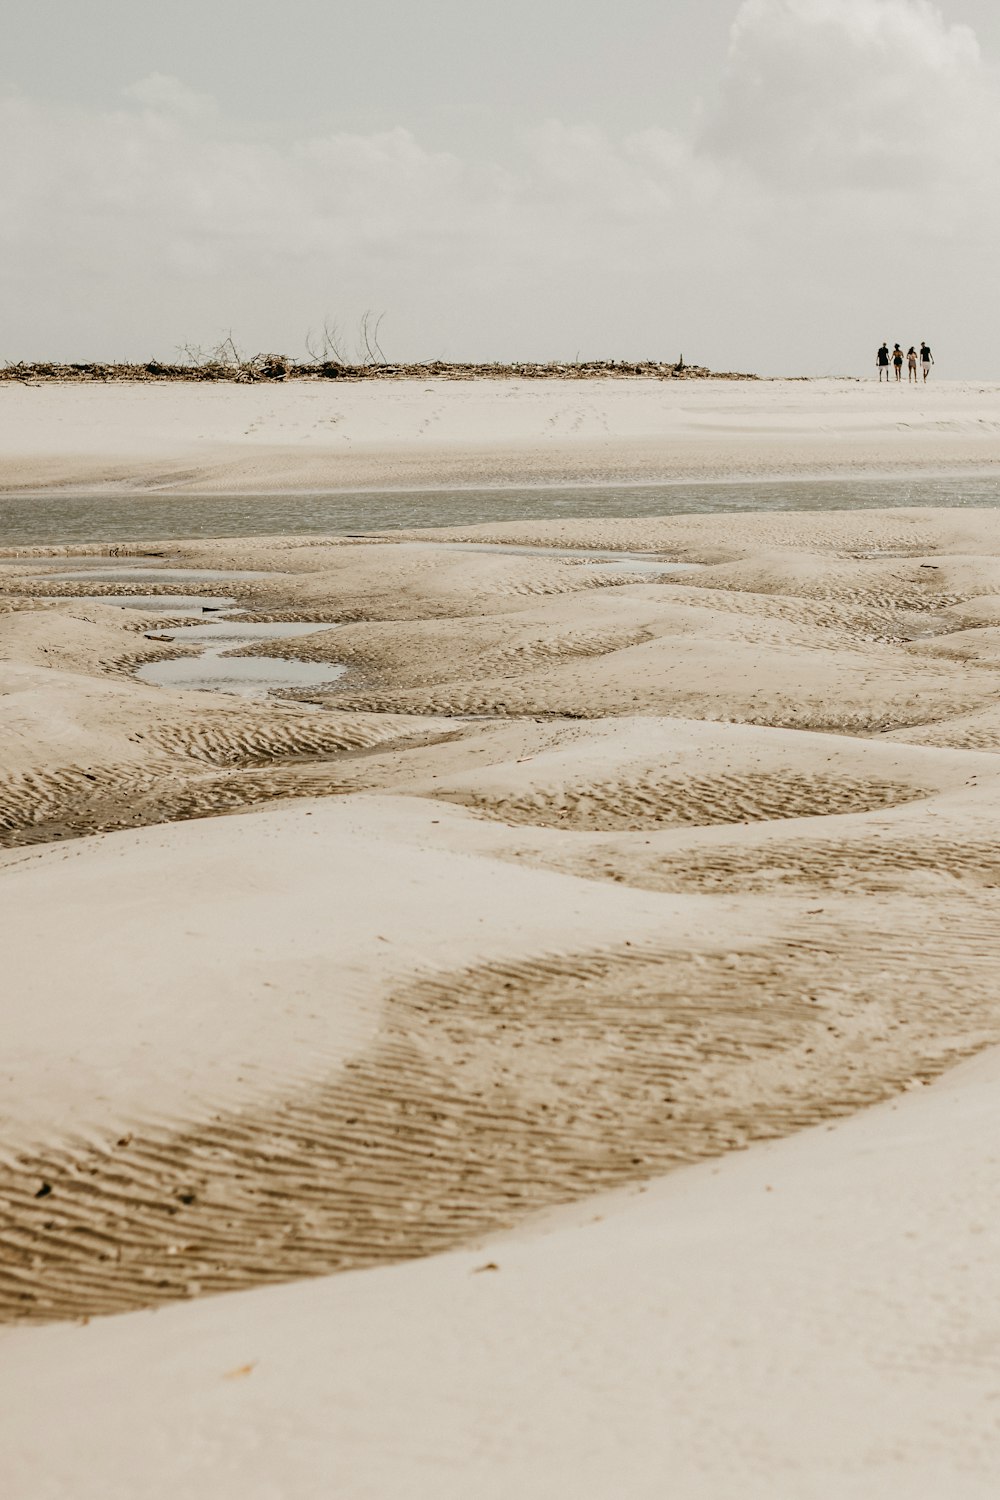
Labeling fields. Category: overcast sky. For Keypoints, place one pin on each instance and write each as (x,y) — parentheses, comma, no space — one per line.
(772,185)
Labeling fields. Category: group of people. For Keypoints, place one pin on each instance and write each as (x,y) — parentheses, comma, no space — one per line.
(884,360)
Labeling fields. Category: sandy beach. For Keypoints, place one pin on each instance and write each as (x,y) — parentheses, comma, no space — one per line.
(305,435)
(562,1015)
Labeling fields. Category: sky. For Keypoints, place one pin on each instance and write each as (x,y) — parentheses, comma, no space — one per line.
(764,185)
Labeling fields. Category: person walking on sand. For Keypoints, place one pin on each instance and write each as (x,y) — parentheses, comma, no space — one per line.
(897,361)
(882,361)
(911,364)
(926,359)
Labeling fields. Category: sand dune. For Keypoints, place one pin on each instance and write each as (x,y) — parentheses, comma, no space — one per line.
(579,876)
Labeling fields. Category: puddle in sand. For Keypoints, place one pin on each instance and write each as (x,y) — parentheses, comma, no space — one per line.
(49,564)
(128,571)
(620,562)
(879,554)
(193,605)
(244,676)
(213,670)
(643,565)
(239,632)
(132,574)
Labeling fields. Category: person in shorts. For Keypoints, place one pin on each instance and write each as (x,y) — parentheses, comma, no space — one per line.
(926,359)
(882,361)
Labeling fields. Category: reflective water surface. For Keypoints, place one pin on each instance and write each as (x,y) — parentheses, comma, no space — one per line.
(244,676)
(611,562)
(51,519)
(132,570)
(214,670)
(162,604)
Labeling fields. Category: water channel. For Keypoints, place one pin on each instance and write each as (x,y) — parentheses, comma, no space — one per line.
(56,518)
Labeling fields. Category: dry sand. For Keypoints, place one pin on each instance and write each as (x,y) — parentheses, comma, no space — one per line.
(578,877)
(305,435)
(816,1317)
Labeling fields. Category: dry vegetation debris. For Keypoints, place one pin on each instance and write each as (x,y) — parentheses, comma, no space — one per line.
(278,367)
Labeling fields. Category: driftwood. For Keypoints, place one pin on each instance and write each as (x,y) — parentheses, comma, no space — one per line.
(275,367)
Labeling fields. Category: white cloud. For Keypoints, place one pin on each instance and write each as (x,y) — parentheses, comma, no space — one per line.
(856,94)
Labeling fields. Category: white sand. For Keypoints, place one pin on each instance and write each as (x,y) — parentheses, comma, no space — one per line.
(728,872)
(815,1318)
(219,960)
(383,434)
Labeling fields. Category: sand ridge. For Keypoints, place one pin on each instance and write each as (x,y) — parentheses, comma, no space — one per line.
(303,435)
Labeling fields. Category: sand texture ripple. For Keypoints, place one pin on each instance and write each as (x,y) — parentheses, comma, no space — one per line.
(575,878)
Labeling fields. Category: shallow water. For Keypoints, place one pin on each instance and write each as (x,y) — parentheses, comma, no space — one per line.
(213,670)
(244,676)
(238,632)
(163,604)
(48,519)
(622,562)
(128,572)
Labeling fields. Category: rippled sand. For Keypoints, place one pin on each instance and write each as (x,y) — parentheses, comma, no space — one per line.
(577,875)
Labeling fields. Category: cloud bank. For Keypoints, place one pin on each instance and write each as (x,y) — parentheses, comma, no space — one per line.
(842,187)
(875,95)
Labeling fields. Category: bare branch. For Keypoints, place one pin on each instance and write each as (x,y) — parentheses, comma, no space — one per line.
(378,325)
(365,346)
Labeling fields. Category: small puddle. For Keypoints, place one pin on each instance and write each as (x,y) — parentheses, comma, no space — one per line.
(245,676)
(643,565)
(193,605)
(49,564)
(215,670)
(622,562)
(240,632)
(155,575)
(878,554)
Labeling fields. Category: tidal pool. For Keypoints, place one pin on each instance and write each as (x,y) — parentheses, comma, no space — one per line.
(243,676)
(215,670)
(194,605)
(622,562)
(133,574)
